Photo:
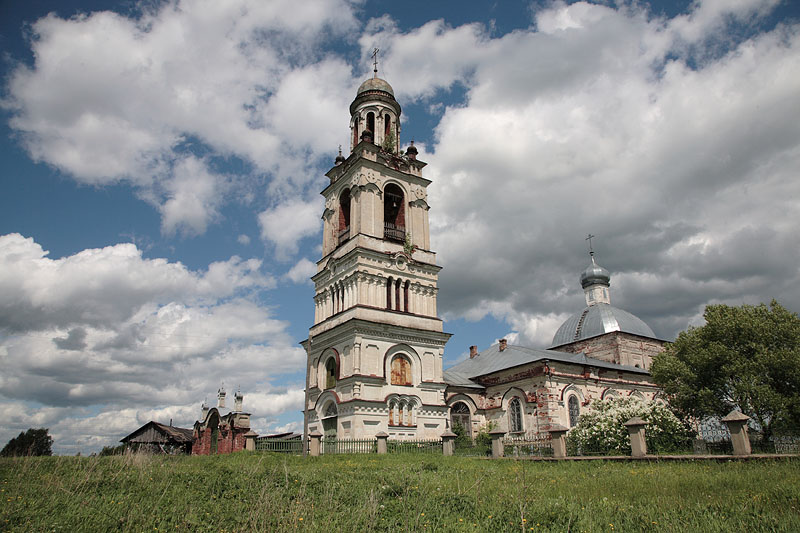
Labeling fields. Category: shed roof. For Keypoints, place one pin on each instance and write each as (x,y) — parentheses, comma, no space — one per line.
(176,434)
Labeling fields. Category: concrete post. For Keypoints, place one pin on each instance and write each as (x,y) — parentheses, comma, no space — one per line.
(737,425)
(558,440)
(315,444)
(382,442)
(636,431)
(448,442)
(497,443)
(250,441)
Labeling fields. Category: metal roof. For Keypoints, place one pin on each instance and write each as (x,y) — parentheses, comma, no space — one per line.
(375,84)
(493,360)
(598,319)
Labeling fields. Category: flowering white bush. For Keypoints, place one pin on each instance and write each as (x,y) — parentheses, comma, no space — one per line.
(601,429)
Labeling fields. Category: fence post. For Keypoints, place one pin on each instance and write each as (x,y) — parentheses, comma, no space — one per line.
(382,438)
(250,441)
(448,442)
(314,445)
(558,441)
(737,425)
(636,432)
(497,442)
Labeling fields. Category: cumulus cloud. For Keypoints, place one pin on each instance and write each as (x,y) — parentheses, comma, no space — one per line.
(286,224)
(302,271)
(111,98)
(108,339)
(601,120)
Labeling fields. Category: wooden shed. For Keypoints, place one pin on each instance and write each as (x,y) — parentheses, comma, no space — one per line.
(159,438)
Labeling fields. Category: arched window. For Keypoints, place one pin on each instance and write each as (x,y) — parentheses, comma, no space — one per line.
(515,415)
(330,373)
(574,410)
(460,416)
(355,132)
(401,371)
(405,296)
(371,121)
(344,216)
(394,213)
(387,125)
(389,285)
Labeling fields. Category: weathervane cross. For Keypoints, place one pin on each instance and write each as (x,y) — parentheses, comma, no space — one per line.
(375,61)
(589,238)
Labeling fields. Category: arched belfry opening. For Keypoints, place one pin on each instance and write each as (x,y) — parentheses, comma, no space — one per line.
(394,213)
(387,125)
(344,217)
(371,122)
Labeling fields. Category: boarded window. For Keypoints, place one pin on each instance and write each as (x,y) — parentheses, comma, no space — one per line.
(515,415)
(401,371)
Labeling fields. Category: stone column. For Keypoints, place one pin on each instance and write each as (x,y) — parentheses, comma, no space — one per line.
(448,442)
(636,431)
(558,440)
(497,443)
(250,441)
(357,356)
(737,425)
(315,444)
(382,442)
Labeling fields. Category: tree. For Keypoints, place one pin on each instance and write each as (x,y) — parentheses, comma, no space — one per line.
(745,357)
(602,428)
(31,442)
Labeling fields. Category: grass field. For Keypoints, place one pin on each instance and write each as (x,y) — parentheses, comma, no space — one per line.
(264,492)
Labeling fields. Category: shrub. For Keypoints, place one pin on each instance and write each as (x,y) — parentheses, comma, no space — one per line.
(601,429)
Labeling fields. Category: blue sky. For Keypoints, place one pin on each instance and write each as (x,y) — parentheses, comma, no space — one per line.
(162,162)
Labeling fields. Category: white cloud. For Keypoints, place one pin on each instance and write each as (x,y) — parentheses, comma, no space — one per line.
(598,120)
(107,339)
(243,239)
(286,224)
(192,198)
(302,271)
(111,98)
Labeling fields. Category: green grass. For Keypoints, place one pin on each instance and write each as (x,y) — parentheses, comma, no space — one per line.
(264,492)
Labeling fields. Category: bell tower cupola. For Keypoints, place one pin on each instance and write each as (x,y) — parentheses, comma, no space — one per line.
(375,114)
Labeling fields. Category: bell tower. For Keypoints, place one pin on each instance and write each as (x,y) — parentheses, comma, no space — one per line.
(375,350)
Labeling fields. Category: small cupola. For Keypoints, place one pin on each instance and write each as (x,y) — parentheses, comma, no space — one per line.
(339,158)
(595,281)
(375,114)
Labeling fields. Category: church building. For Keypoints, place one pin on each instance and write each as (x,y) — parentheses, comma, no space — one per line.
(374,353)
